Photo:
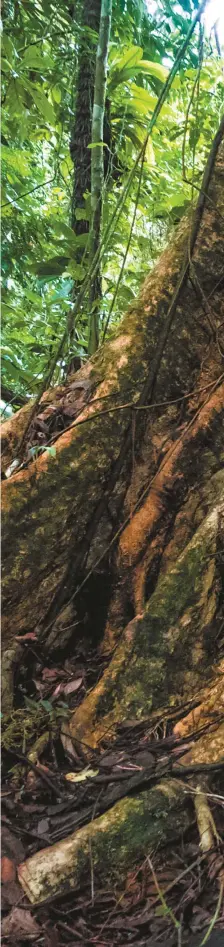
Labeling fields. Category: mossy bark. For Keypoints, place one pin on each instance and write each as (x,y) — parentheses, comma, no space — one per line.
(138,505)
(166,655)
(113,841)
(156,474)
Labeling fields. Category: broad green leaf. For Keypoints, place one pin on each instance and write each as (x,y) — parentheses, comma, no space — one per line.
(16,159)
(150,153)
(154,69)
(31,704)
(14,371)
(126,292)
(143,94)
(46,704)
(80,213)
(33,297)
(129,58)
(63,230)
(6,350)
(8,48)
(82,240)
(56,94)
(66,167)
(143,67)
(14,98)
(140,100)
(76,270)
(53,267)
(33,59)
(5,65)
(120,66)
(41,102)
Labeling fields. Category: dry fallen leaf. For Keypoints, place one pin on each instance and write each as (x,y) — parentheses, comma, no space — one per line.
(49,674)
(79,777)
(73,686)
(67,744)
(19,923)
(47,413)
(30,636)
(8,870)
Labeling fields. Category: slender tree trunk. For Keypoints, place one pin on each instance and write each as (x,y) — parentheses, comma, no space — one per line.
(81,136)
(97,166)
(81,131)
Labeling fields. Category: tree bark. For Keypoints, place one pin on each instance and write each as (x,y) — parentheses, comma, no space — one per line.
(128,519)
(142,461)
(81,132)
(97,167)
(137,818)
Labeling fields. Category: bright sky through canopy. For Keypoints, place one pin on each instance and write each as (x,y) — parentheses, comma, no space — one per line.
(214,13)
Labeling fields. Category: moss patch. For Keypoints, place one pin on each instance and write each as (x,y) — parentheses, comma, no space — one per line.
(168,652)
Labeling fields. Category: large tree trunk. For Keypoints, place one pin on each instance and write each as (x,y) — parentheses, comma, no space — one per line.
(131,508)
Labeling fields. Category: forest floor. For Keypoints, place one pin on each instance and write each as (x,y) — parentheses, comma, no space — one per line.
(50,788)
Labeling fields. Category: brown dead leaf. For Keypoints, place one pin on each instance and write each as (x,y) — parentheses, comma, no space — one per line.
(73,686)
(58,690)
(30,636)
(19,923)
(10,894)
(42,426)
(47,413)
(67,744)
(11,845)
(83,385)
(72,408)
(8,870)
(50,674)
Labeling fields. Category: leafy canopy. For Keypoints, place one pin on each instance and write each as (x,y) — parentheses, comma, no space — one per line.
(40,46)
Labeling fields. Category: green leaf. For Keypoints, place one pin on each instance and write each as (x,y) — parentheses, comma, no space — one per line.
(63,230)
(8,48)
(51,451)
(130,57)
(80,213)
(41,102)
(149,153)
(162,910)
(98,144)
(140,100)
(144,67)
(16,160)
(53,267)
(14,98)
(5,65)
(76,270)
(31,704)
(33,59)
(154,69)
(5,350)
(56,94)
(46,704)
(33,297)
(22,336)
(127,293)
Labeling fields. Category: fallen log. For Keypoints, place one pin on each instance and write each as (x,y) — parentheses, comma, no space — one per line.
(111,843)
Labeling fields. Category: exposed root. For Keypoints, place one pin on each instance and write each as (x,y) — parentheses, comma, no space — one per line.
(206,825)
